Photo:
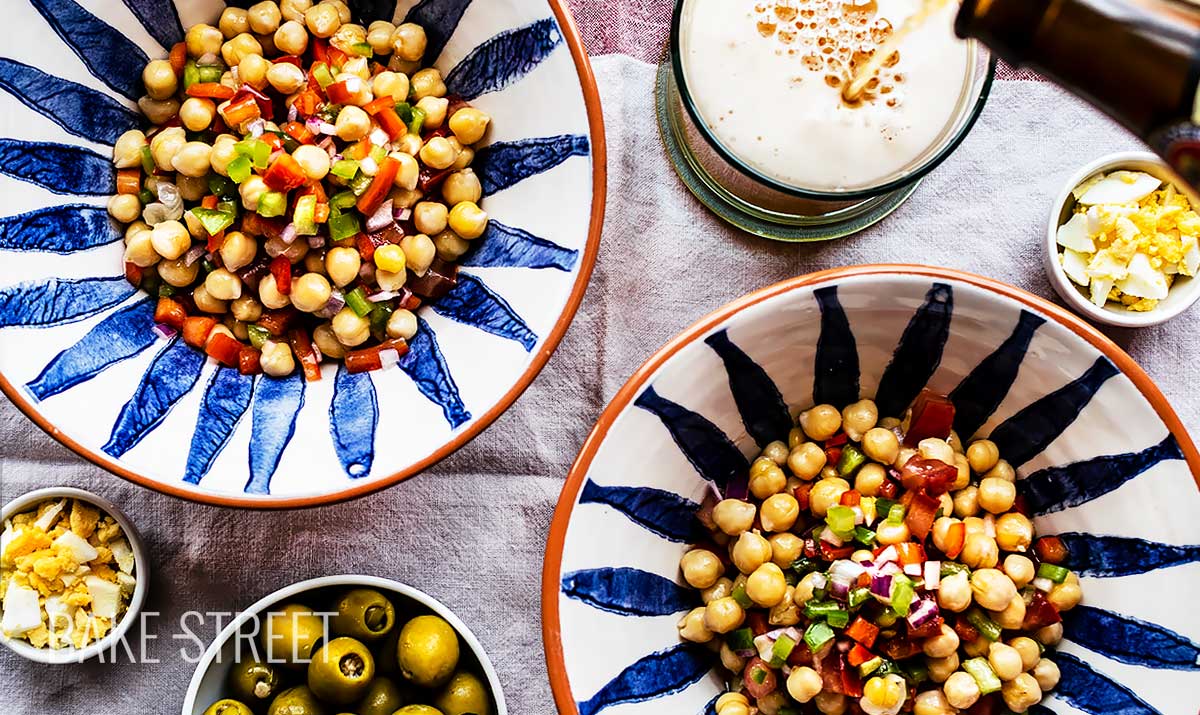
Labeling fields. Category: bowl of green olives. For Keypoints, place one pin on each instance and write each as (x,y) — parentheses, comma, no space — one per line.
(345,645)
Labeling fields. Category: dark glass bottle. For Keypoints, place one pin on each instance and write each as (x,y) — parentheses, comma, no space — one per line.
(1137,60)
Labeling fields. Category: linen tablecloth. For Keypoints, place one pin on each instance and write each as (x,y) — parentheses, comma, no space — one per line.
(472,531)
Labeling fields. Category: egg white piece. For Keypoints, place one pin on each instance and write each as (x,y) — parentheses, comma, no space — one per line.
(7,536)
(1100,290)
(1088,183)
(51,514)
(81,550)
(106,597)
(1121,187)
(1074,235)
(1143,280)
(123,554)
(1191,255)
(1074,265)
(21,611)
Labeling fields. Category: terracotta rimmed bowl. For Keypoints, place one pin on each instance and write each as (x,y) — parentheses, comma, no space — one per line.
(77,353)
(1103,461)
(208,681)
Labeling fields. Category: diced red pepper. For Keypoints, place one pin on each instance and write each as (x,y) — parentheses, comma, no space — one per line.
(910,552)
(831,553)
(756,670)
(298,131)
(431,178)
(272,139)
(215,240)
(391,123)
(211,90)
(888,489)
(371,358)
(129,181)
(858,655)
(281,268)
(932,476)
(320,50)
(302,346)
(851,684)
(276,322)
(373,197)
(379,104)
(366,247)
(864,632)
(170,312)
(850,498)
(810,549)
(224,349)
(920,516)
(833,455)
(1021,505)
(1039,612)
(966,632)
(249,360)
(800,655)
(931,628)
(196,329)
(265,104)
(359,150)
(932,416)
(1051,549)
(255,225)
(178,58)
(337,58)
(134,274)
(757,622)
(291,60)
(285,174)
(321,213)
(837,440)
(339,92)
(307,103)
(241,109)
(956,538)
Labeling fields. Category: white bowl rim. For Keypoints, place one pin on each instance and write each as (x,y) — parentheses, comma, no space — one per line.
(210,654)
(1066,289)
(141,570)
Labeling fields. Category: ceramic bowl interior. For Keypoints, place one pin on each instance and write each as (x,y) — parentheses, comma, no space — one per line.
(141,572)
(208,682)
(1103,462)
(77,353)
(1184,291)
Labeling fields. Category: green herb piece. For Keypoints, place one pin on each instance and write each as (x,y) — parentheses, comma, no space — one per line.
(360,183)
(852,458)
(210,73)
(220,186)
(870,666)
(858,597)
(1055,573)
(257,150)
(950,568)
(146,196)
(357,301)
(342,201)
(985,677)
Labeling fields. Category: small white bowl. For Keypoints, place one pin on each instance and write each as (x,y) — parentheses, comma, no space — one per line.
(1184,291)
(141,572)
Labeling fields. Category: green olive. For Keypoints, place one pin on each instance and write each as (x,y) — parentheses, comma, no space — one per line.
(296,701)
(253,681)
(417,710)
(228,707)
(365,614)
(383,697)
(427,651)
(291,634)
(340,671)
(464,694)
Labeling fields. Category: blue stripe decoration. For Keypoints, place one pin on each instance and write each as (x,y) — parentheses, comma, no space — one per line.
(58,168)
(1057,488)
(1028,432)
(171,375)
(58,229)
(504,164)
(439,18)
(226,400)
(353,416)
(664,513)
(53,301)
(835,374)
(121,335)
(504,59)
(711,707)
(277,402)
(426,366)
(920,351)
(1106,556)
(472,303)
(981,392)
(758,400)
(368,11)
(1095,693)
(80,110)
(507,247)
(160,18)
(703,443)
(629,592)
(110,56)
(1040,709)
(654,676)
(1130,640)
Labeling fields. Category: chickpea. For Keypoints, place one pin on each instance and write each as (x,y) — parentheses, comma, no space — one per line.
(941,533)
(158,112)
(127,151)
(869,479)
(803,684)
(1013,615)
(193,159)
(342,8)
(932,702)
(733,703)
(450,247)
(264,17)
(342,265)
(419,252)
(964,472)
(954,592)
(1028,649)
(723,615)
(888,533)
(903,456)
(1049,635)
(246,308)
(1002,470)
(804,590)
(435,111)
(165,145)
(701,568)
(203,40)
(276,359)
(983,455)
(750,551)
(881,445)
(233,22)
(795,437)
(961,690)
(1014,532)
(238,250)
(350,328)
(223,285)
(290,38)
(942,644)
(468,220)
(430,217)
(223,152)
(322,20)
(463,186)
(806,460)
(691,627)
(830,703)
(934,448)
(992,589)
(310,292)
(721,588)
(240,47)
(171,239)
(733,516)
(940,669)
(313,161)
(139,249)
(124,207)
(980,551)
(885,692)
(159,78)
(388,280)
(1005,660)
(438,153)
(352,123)
(379,37)
(287,78)
(466,155)
(408,42)
(251,190)
(821,422)
(293,10)
(192,188)
(826,493)
(858,418)
(966,502)
(1066,595)
(177,273)
(269,295)
(1046,674)
(767,585)
(977,648)
(410,144)
(779,512)
(786,547)
(767,482)
(1021,693)
(206,302)
(996,495)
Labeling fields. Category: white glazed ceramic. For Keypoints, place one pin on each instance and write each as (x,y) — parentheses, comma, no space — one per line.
(76,351)
(141,572)
(1102,461)
(1184,292)
(208,682)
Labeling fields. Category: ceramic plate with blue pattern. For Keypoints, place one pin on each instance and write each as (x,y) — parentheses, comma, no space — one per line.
(1102,460)
(77,352)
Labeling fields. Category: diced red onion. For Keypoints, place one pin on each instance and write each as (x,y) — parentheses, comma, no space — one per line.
(831,538)
(891,568)
(933,575)
(164,331)
(314,123)
(888,554)
(912,569)
(369,166)
(839,588)
(327,129)
(881,585)
(389,358)
(402,214)
(275,155)
(207,60)
(316,241)
(293,112)
(765,644)
(256,128)
(333,306)
(382,296)
(859,517)
(846,569)
(379,137)
(382,218)
(922,613)
(194,254)
(746,652)
(819,580)
(1043,584)
(288,234)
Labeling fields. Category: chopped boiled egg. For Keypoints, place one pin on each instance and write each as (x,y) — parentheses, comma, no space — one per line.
(1101,287)
(1074,235)
(1074,265)
(49,515)
(1120,187)
(21,611)
(106,597)
(123,555)
(79,549)
(1143,280)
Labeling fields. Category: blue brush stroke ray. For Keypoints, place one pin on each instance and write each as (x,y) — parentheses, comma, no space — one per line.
(507,247)
(171,375)
(981,392)
(1130,640)
(439,18)
(628,592)
(654,676)
(1024,435)
(835,379)
(110,56)
(504,164)
(703,443)
(664,513)
(121,335)
(426,366)
(1106,556)
(160,18)
(1095,693)
(80,110)
(58,168)
(368,11)
(472,303)
(353,416)
(1040,709)
(920,351)
(277,403)
(504,59)
(58,229)
(711,707)
(53,301)
(758,400)
(1057,488)
(226,400)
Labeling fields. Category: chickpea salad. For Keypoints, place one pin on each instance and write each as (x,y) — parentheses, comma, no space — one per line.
(877,566)
(304,186)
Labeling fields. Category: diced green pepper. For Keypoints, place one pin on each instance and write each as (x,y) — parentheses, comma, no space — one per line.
(362,49)
(758,675)
(212,220)
(985,677)
(805,566)
(220,186)
(271,204)
(852,458)
(360,183)
(344,169)
(739,594)
(148,164)
(838,619)
(950,568)
(887,618)
(902,594)
(240,169)
(378,154)
(412,116)
(818,634)
(821,609)
(191,74)
(858,597)
(320,71)
(896,514)
(915,670)
(229,207)
(210,73)
(887,667)
(864,536)
(986,626)
(259,151)
(304,215)
(781,650)
(870,666)
(883,505)
(1054,572)
(841,521)
(343,226)
(357,301)
(258,335)
(380,316)
(166,290)
(344,200)
(207,266)
(146,196)
(741,639)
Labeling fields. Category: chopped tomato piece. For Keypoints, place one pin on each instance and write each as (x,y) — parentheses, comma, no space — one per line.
(366,246)
(830,668)
(170,312)
(802,495)
(299,132)
(249,360)
(932,476)
(1040,613)
(863,631)
(1051,549)
(832,553)
(932,416)
(302,346)
(910,552)
(134,274)
(291,60)
(431,178)
(373,197)
(178,58)
(129,181)
(196,330)
(211,90)
(391,123)
(307,103)
(900,648)
(321,213)
(756,621)
(379,104)
(224,349)
(285,174)
(833,455)
(371,358)
(276,322)
(956,537)
(967,633)
(320,50)
(810,549)
(837,440)
(240,110)
(888,489)
(800,655)
(987,705)
(851,498)
(920,516)
(851,683)
(339,92)
(281,268)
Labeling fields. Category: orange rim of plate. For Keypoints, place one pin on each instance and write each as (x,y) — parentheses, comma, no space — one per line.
(591,98)
(552,565)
